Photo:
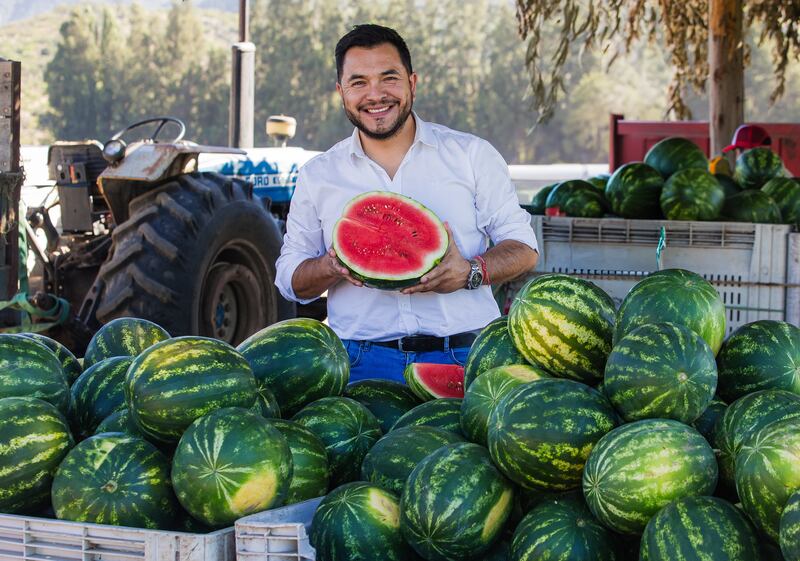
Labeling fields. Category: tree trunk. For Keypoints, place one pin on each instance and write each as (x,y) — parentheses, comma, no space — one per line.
(726,72)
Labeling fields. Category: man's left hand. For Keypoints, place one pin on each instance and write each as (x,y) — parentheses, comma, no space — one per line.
(448,276)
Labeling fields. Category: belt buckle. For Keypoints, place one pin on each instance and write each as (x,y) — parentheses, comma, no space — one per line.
(400,344)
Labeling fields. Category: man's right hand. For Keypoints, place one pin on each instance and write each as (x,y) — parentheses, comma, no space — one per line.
(315,276)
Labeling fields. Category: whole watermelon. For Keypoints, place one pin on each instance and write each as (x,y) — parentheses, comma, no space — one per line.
(539,200)
(576,197)
(756,166)
(266,404)
(638,468)
(699,528)
(541,433)
(311,472)
(706,422)
(492,347)
(790,528)
(123,337)
(69,363)
(443,413)
(120,421)
(661,370)
(346,428)
(179,380)
(785,192)
(29,369)
(386,399)
(34,438)
(633,191)
(359,522)
(673,154)
(692,194)
(674,296)
(116,479)
(99,392)
(564,325)
(751,205)
(760,355)
(231,463)
(300,360)
(455,503)
(599,181)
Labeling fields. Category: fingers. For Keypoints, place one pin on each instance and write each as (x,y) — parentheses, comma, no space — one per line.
(340,270)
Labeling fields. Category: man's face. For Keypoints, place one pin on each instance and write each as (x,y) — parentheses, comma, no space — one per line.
(376,90)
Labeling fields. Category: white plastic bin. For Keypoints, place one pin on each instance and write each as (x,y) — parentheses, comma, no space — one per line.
(280,534)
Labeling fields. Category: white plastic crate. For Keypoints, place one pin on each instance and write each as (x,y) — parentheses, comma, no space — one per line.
(754,267)
(280,534)
(42,539)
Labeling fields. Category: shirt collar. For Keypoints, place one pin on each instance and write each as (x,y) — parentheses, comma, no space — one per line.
(423,133)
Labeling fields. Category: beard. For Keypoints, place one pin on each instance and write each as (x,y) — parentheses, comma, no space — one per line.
(403,114)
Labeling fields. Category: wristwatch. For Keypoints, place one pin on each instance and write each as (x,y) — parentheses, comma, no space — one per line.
(475,277)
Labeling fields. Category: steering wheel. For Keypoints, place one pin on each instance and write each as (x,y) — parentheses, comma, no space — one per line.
(114,149)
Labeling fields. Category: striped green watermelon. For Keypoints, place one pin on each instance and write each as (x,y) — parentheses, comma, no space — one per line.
(176,381)
(69,363)
(99,392)
(116,479)
(492,348)
(706,422)
(745,417)
(346,428)
(785,192)
(300,360)
(599,181)
(359,522)
(756,166)
(387,240)
(692,194)
(29,369)
(390,461)
(751,206)
(633,191)
(761,355)
(455,503)
(638,468)
(434,381)
(541,433)
(673,154)
(444,413)
(485,393)
(123,337)
(661,370)
(728,184)
(699,528)
(559,530)
(266,404)
(310,461)
(231,463)
(674,296)
(575,197)
(790,528)
(386,399)
(120,421)
(564,325)
(34,438)
(768,472)
(539,200)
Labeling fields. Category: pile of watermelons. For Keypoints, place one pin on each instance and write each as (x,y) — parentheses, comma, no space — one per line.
(674,182)
(584,433)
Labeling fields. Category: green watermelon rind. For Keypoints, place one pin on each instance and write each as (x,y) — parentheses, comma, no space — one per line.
(751,206)
(124,336)
(756,166)
(577,197)
(29,369)
(692,194)
(789,534)
(386,399)
(633,191)
(72,367)
(443,413)
(311,470)
(98,392)
(492,347)
(673,154)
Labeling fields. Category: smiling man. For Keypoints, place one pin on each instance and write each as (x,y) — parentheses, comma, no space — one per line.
(459,176)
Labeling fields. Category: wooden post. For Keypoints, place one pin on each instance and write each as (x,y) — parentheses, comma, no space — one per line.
(725,71)
(10,74)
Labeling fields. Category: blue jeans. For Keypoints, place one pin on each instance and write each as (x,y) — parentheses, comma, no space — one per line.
(368,360)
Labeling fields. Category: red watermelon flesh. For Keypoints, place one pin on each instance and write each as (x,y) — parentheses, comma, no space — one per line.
(388,240)
(432,381)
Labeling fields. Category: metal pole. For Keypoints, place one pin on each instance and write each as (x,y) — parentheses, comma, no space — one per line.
(10,88)
(244,21)
(242,104)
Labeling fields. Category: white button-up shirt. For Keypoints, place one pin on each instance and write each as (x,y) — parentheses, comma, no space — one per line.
(459,176)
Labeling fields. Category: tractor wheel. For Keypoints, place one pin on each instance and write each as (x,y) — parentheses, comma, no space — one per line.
(197,256)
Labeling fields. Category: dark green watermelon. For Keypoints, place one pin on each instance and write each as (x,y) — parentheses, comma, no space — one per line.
(311,471)
(674,154)
(790,528)
(756,166)
(99,392)
(706,422)
(492,348)
(444,413)
(455,503)
(599,181)
(785,192)
(386,399)
(346,428)
(120,421)
(638,468)
(541,433)
(539,200)
(728,184)
(267,404)
(30,369)
(69,363)
(633,191)
(751,205)
(660,370)
(300,360)
(674,296)
(699,528)
(575,197)
(692,194)
(116,479)
(123,337)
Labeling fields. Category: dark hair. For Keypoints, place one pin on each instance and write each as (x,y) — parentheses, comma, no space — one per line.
(370,35)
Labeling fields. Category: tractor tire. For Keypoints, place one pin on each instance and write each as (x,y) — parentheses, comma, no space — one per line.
(197,256)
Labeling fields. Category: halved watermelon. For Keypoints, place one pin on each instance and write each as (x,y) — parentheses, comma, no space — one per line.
(387,240)
(432,381)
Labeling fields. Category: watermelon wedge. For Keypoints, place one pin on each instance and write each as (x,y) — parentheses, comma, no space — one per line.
(433,381)
(387,240)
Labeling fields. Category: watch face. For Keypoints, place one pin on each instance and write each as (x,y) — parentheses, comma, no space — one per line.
(475,279)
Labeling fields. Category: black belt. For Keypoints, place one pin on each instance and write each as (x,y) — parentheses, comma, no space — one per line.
(428,343)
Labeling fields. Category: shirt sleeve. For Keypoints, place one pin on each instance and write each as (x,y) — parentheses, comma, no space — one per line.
(303,239)
(499,212)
